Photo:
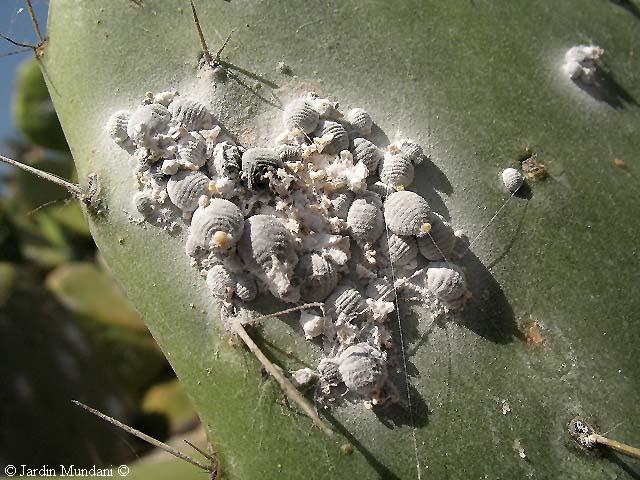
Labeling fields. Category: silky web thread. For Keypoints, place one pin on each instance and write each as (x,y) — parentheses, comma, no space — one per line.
(404,356)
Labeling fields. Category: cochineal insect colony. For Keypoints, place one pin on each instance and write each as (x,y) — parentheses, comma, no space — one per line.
(323,215)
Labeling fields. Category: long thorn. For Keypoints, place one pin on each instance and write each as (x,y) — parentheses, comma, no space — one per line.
(217,58)
(18,44)
(284,312)
(35,21)
(285,384)
(15,52)
(200,451)
(203,42)
(144,436)
(50,177)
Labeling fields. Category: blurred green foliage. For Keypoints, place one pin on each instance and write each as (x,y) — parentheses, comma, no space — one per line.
(33,111)
(67,331)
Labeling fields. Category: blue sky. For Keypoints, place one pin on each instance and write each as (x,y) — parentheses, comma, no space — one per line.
(16,24)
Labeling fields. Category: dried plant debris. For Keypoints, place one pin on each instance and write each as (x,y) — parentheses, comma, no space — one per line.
(321,215)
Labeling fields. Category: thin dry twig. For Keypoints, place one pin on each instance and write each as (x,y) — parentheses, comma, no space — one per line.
(144,436)
(285,384)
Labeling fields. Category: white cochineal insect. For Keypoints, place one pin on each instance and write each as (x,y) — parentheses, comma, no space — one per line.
(410,150)
(186,187)
(289,153)
(346,303)
(339,136)
(246,288)
(221,282)
(512,179)
(446,281)
(190,114)
(317,277)
(363,369)
(192,149)
(145,204)
(380,288)
(341,202)
(366,152)
(256,162)
(117,127)
(407,213)
(267,250)
(396,170)
(359,120)
(439,242)
(327,109)
(396,250)
(226,161)
(218,226)
(380,189)
(300,114)
(581,62)
(147,123)
(365,219)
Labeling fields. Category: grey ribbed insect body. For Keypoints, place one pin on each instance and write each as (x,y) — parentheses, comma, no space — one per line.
(289,153)
(219,216)
(366,152)
(117,127)
(192,149)
(398,250)
(317,277)
(363,368)
(300,114)
(396,170)
(439,242)
(186,187)
(265,237)
(220,281)
(406,213)
(246,288)
(144,203)
(446,281)
(189,114)
(380,289)
(365,219)
(256,162)
(226,161)
(341,202)
(267,250)
(380,189)
(359,120)
(327,109)
(329,373)
(410,150)
(340,139)
(512,179)
(147,122)
(345,303)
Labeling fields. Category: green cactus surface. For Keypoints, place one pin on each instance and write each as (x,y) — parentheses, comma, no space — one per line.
(551,331)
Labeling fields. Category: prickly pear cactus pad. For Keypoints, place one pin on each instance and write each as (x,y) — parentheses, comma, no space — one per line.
(428,352)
